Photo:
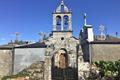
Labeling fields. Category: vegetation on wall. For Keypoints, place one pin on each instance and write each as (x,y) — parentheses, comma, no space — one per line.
(108,70)
(24,73)
(33,72)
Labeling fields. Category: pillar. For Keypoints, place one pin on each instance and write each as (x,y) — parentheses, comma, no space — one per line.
(70,23)
(47,68)
(62,23)
(54,22)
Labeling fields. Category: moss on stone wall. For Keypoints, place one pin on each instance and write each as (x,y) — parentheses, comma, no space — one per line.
(34,72)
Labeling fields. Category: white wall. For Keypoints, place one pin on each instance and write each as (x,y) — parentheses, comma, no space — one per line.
(24,57)
(90,34)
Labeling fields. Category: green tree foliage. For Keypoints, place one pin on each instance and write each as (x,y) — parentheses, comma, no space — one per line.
(109,69)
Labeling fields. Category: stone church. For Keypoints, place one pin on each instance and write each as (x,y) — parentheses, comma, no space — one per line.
(61,56)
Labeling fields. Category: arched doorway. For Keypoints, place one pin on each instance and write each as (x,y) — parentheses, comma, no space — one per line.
(62,59)
(60,68)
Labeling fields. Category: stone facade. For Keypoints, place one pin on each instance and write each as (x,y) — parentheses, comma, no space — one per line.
(61,58)
(60,43)
(106,52)
(5,62)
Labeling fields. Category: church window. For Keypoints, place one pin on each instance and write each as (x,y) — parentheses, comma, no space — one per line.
(62,38)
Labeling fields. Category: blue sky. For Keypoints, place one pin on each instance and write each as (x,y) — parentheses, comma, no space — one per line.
(29,17)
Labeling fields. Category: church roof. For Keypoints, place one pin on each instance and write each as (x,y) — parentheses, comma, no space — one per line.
(109,40)
(62,8)
(8,47)
(33,45)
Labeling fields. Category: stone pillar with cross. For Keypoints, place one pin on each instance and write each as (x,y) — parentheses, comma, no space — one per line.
(17,37)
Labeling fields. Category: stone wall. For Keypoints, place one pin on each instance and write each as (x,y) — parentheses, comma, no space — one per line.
(33,72)
(5,62)
(106,52)
(36,71)
(24,57)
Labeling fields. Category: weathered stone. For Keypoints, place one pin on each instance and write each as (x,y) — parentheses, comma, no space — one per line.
(5,62)
(33,72)
(106,52)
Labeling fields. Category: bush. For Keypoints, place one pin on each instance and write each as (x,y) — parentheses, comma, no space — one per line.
(109,69)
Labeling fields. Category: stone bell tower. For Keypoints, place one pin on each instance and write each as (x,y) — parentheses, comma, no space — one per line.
(62,18)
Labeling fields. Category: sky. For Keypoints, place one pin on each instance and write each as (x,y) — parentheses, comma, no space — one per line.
(29,17)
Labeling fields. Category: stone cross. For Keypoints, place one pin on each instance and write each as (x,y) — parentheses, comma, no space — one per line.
(41,34)
(17,35)
(101,29)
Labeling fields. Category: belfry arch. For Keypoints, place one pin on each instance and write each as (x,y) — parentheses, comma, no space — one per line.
(66,22)
(58,23)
